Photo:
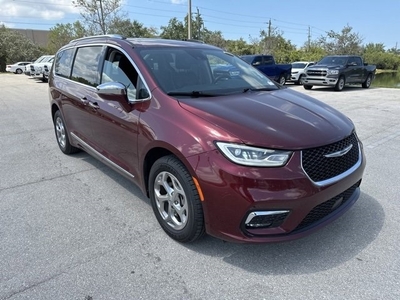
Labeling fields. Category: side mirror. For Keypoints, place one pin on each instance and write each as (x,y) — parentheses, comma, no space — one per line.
(111,89)
(257,63)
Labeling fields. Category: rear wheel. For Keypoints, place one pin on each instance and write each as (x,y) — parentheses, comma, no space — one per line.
(18,71)
(340,84)
(62,136)
(367,83)
(175,200)
(307,87)
(282,80)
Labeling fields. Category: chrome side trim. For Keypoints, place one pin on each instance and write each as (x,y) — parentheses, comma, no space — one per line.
(104,159)
(263,213)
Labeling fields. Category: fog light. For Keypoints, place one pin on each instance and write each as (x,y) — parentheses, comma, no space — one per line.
(265,219)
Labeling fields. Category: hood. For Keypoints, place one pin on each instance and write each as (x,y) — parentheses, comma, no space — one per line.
(281,119)
(324,66)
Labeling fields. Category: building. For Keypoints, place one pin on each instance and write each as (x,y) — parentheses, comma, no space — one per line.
(38,37)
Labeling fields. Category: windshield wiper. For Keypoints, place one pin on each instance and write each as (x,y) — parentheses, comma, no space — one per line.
(258,90)
(193,94)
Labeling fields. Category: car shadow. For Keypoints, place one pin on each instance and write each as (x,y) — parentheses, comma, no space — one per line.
(333,245)
(346,89)
(342,240)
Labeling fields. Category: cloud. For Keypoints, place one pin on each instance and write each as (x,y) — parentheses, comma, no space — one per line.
(46,10)
(178,1)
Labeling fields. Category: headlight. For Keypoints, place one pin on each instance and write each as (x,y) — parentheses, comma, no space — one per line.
(252,156)
(333,72)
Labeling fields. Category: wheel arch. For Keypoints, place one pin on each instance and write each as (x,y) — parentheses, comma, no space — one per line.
(152,156)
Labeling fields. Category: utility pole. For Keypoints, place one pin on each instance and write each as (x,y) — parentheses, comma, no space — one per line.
(309,37)
(198,24)
(269,28)
(102,25)
(190,19)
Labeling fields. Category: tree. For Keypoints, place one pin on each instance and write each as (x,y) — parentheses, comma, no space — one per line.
(99,15)
(213,38)
(312,51)
(239,47)
(15,47)
(62,34)
(127,28)
(345,42)
(174,30)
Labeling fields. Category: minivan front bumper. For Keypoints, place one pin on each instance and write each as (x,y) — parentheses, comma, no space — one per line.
(261,205)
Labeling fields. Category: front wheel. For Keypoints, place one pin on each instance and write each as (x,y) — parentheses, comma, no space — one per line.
(301,79)
(175,200)
(62,136)
(367,83)
(340,84)
(18,71)
(307,87)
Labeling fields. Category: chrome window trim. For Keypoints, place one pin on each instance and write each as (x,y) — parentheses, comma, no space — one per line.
(107,44)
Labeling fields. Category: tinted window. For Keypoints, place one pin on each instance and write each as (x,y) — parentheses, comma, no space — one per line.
(117,68)
(86,65)
(63,62)
(268,60)
(299,65)
(358,61)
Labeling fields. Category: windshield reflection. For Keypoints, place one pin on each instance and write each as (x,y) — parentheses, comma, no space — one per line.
(183,71)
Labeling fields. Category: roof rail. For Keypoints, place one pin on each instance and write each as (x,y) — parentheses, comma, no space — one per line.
(117,36)
(193,40)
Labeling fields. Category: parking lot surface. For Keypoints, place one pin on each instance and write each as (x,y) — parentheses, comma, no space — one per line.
(71,228)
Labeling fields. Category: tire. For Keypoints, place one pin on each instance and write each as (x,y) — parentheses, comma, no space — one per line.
(308,87)
(282,80)
(367,83)
(62,136)
(175,200)
(340,84)
(301,78)
(18,71)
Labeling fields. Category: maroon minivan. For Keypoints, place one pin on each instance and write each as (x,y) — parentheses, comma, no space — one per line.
(216,145)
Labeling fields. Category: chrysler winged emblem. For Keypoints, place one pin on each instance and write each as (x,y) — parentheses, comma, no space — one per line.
(340,153)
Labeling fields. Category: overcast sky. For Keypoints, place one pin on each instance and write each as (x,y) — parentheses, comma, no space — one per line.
(375,21)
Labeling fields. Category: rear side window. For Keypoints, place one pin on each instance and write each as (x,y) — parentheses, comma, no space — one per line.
(63,62)
(86,65)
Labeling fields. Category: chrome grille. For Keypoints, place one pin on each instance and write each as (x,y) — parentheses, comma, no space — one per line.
(317,73)
(319,167)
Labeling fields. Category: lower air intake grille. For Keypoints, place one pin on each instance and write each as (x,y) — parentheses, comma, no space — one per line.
(324,209)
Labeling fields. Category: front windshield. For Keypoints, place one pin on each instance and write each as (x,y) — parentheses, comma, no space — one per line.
(333,61)
(298,65)
(203,72)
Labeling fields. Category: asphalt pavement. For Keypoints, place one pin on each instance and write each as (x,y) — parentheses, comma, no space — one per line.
(71,228)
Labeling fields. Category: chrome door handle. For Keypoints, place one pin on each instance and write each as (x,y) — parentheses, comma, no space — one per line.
(93,105)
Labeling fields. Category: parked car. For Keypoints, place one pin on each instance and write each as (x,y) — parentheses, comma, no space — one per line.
(266,64)
(28,70)
(298,71)
(37,68)
(239,157)
(41,69)
(18,67)
(338,70)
